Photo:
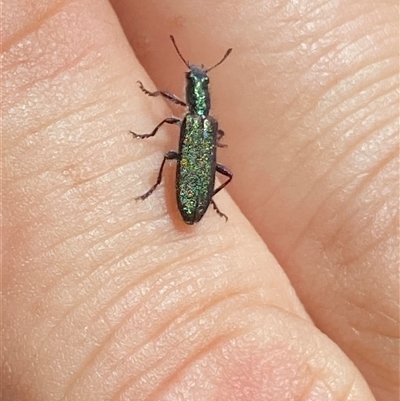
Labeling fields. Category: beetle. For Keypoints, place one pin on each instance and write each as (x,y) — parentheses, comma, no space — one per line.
(198,141)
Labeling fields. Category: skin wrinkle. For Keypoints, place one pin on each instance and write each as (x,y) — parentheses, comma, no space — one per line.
(119,295)
(271,11)
(357,40)
(354,110)
(349,112)
(319,57)
(160,332)
(141,282)
(88,229)
(365,178)
(91,228)
(335,107)
(309,366)
(313,11)
(330,31)
(288,20)
(84,278)
(269,307)
(178,371)
(296,242)
(365,182)
(318,379)
(64,117)
(379,369)
(33,27)
(366,115)
(67,66)
(337,161)
(370,359)
(334,51)
(317,212)
(194,315)
(75,186)
(283,180)
(327,111)
(354,321)
(239,293)
(368,248)
(62,241)
(57,283)
(349,389)
(334,237)
(375,331)
(308,389)
(310,106)
(357,301)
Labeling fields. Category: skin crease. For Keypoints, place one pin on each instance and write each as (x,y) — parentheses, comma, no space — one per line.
(105,298)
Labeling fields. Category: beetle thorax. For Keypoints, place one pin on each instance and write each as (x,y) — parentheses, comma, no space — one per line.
(197,94)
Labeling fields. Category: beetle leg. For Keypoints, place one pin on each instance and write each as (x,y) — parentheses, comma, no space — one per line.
(220,134)
(169,120)
(219,211)
(167,95)
(171,155)
(226,172)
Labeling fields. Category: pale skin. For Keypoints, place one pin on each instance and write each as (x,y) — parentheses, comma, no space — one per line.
(106,298)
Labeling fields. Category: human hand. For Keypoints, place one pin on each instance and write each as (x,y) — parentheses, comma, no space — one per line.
(105,298)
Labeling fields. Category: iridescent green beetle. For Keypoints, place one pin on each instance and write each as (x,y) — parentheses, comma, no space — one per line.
(198,142)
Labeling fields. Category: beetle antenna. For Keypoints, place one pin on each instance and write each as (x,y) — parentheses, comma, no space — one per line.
(179,53)
(228,52)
